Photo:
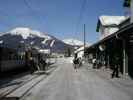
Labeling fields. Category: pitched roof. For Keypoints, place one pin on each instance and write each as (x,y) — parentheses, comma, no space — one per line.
(81,48)
(110,21)
(126,29)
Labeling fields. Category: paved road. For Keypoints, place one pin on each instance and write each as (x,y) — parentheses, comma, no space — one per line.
(67,84)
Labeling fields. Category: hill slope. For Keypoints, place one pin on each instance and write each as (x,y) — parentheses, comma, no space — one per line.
(22,37)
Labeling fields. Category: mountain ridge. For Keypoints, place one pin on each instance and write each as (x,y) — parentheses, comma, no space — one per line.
(25,36)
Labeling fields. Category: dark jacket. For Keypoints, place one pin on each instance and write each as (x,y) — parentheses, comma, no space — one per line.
(76,61)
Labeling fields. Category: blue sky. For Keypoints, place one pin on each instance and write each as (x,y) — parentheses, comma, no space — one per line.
(57,17)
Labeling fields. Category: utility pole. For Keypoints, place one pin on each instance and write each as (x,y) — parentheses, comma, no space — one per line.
(84,39)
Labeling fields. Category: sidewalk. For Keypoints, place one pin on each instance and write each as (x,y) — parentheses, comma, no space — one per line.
(124,82)
(106,73)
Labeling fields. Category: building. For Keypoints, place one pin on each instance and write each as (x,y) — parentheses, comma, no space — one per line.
(108,25)
(80,52)
(121,43)
(131,11)
(116,39)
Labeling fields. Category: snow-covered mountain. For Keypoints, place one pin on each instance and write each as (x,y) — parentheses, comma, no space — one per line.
(21,37)
(27,32)
(73,42)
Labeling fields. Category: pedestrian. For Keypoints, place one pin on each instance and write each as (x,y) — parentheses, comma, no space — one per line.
(76,63)
(80,61)
(115,72)
(32,65)
(29,60)
(43,63)
(37,63)
(94,62)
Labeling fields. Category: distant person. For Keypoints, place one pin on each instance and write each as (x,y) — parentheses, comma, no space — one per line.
(36,63)
(76,63)
(29,61)
(80,61)
(99,63)
(94,62)
(115,72)
(32,65)
(43,63)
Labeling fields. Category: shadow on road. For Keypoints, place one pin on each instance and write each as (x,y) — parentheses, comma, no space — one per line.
(7,78)
(10,98)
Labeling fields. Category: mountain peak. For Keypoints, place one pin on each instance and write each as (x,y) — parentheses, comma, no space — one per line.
(20,36)
(27,32)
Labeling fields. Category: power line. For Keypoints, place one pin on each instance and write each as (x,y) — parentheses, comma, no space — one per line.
(28,6)
(34,11)
(82,9)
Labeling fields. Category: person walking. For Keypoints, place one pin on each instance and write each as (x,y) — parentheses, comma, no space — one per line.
(80,61)
(94,62)
(115,72)
(29,60)
(76,63)
(43,63)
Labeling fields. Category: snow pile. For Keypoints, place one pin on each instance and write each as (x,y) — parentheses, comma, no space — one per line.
(112,20)
(27,32)
(73,42)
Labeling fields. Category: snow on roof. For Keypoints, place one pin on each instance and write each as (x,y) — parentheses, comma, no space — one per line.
(73,42)
(81,48)
(112,20)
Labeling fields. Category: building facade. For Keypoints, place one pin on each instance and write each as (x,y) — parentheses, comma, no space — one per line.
(116,39)
(131,7)
(108,25)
